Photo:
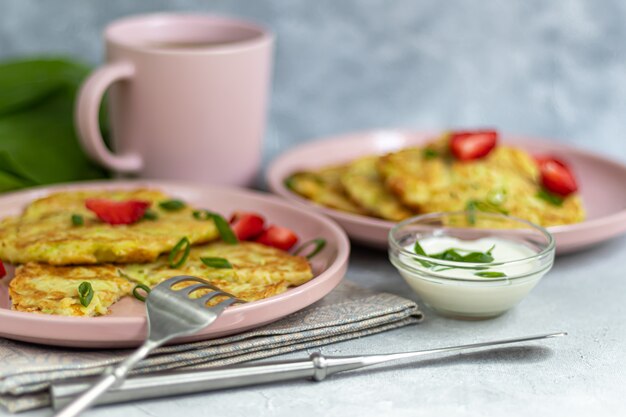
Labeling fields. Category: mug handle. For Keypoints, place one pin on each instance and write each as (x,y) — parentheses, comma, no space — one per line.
(86,117)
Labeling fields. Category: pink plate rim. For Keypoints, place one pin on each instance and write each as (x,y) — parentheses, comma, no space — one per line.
(306,293)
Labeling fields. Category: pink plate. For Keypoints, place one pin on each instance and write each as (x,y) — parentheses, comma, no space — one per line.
(126,325)
(601,183)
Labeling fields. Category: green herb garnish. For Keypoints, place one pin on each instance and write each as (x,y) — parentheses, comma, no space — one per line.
(490,274)
(219,263)
(290,182)
(430,153)
(150,215)
(417,248)
(223,227)
(201,214)
(137,295)
(476,205)
(497,197)
(226,233)
(183,245)
(455,255)
(319,245)
(555,200)
(471,212)
(172,205)
(85,293)
(77,220)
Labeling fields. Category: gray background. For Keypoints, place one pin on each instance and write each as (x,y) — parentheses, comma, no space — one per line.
(545,68)
(551,69)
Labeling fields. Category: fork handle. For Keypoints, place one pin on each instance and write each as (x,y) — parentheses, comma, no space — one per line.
(112,376)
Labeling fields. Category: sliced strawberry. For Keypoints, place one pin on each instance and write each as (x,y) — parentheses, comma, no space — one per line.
(278,237)
(556,176)
(117,212)
(469,145)
(3,271)
(246,225)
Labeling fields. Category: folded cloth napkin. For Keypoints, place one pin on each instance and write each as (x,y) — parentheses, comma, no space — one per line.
(348,312)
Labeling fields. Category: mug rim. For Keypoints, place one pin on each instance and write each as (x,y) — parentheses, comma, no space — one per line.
(263,36)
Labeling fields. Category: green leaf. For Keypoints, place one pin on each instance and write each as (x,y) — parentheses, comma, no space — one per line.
(85,293)
(219,263)
(10,182)
(24,83)
(38,144)
(547,196)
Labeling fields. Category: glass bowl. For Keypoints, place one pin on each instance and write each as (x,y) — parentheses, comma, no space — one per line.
(523,254)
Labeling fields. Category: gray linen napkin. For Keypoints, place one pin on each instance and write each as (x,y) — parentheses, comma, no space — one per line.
(348,312)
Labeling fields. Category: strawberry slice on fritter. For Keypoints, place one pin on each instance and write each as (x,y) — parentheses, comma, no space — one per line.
(470,145)
(556,176)
(117,212)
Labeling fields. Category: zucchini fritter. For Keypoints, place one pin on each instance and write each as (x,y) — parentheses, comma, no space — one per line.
(45,233)
(365,187)
(258,272)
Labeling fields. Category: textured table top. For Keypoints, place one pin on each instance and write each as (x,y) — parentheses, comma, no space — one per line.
(578,375)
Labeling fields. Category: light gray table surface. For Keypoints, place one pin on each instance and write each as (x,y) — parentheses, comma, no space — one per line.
(579,375)
(549,69)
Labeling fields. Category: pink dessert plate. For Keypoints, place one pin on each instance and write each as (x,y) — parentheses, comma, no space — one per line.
(601,182)
(126,325)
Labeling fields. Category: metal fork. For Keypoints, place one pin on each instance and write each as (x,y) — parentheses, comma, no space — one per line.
(171,313)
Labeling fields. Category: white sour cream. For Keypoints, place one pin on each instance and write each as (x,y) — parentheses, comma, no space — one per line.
(459,292)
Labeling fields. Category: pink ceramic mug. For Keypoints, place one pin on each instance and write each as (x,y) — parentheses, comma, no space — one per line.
(187,98)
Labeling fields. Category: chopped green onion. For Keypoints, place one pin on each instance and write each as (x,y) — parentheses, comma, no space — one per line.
(290,182)
(430,153)
(419,249)
(85,293)
(319,245)
(490,274)
(478,257)
(226,233)
(77,220)
(137,295)
(201,214)
(150,215)
(471,212)
(547,196)
(182,245)
(223,227)
(497,196)
(219,263)
(172,205)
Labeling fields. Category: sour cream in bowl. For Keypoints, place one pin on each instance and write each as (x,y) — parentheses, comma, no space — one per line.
(471,265)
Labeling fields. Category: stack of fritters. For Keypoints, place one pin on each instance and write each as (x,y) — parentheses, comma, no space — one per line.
(429,179)
(55,255)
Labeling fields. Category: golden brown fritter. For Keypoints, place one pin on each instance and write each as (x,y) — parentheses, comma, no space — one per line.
(365,187)
(257,272)
(45,232)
